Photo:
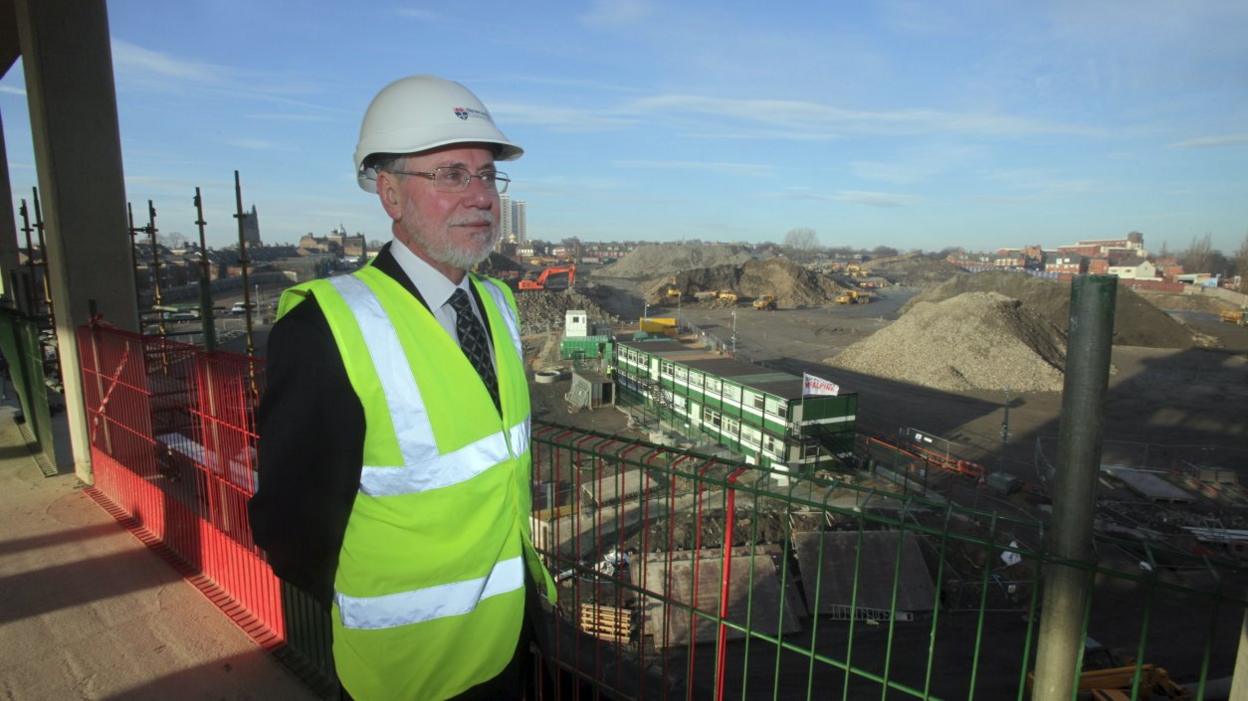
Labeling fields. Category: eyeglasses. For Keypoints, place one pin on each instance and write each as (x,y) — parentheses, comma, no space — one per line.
(457,178)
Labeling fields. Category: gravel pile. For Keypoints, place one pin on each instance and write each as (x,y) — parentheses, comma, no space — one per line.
(913,270)
(792,285)
(1136,322)
(665,259)
(544,310)
(974,341)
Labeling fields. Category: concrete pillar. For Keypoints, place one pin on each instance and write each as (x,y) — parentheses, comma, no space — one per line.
(8,225)
(73,120)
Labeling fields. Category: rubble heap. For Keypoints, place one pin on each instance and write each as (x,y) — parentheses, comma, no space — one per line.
(1136,322)
(791,284)
(665,259)
(544,310)
(976,340)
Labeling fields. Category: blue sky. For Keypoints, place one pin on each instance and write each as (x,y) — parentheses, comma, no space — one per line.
(904,123)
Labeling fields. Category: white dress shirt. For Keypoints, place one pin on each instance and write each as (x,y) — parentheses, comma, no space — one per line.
(437,290)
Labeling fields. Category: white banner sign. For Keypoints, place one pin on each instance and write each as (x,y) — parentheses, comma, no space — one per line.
(818,387)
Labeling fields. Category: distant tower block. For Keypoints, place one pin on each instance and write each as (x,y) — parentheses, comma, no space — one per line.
(518,221)
(251,227)
(506,226)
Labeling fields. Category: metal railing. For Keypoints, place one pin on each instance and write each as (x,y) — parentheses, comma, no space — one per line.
(689,576)
(681,575)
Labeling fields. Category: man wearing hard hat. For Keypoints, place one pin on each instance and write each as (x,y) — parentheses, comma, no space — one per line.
(394,432)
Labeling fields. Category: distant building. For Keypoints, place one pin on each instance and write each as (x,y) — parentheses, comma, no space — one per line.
(1009,259)
(511,220)
(251,228)
(519,223)
(505,226)
(1134,268)
(1132,244)
(1071,263)
(338,242)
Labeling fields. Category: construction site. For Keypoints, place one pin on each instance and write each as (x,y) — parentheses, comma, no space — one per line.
(753,477)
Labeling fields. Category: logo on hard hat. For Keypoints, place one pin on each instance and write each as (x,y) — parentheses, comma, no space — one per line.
(465,112)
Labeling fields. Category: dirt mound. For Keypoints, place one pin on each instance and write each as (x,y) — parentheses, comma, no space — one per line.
(543,310)
(792,285)
(976,340)
(1186,303)
(913,270)
(497,263)
(1136,322)
(665,259)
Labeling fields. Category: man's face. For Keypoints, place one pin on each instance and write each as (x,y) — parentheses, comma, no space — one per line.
(454,228)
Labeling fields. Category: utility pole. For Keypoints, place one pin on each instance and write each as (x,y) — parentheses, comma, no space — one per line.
(734,333)
(1067,588)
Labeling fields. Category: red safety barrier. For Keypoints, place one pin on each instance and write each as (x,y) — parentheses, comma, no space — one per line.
(173,444)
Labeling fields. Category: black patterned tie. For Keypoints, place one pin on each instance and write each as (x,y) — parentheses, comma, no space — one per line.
(472,341)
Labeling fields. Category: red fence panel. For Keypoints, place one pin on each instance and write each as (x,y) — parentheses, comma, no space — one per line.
(173,444)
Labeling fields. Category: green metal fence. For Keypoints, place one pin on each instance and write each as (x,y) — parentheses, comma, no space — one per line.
(23,350)
(688,576)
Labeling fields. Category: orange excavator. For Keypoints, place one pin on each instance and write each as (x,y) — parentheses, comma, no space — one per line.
(544,282)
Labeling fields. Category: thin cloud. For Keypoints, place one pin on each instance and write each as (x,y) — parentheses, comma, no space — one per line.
(1212,141)
(418,13)
(563,118)
(12,90)
(869,198)
(140,62)
(289,117)
(875,199)
(256,144)
(748,169)
(826,121)
(614,13)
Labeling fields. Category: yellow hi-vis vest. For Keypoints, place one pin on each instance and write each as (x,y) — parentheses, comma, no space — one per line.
(429,591)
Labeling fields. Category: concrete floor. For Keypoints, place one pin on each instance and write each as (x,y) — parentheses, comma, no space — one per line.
(87,612)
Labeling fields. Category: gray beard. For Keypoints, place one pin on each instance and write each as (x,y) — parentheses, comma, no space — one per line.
(462,259)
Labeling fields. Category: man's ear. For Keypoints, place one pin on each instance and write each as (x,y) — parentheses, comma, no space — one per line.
(389,194)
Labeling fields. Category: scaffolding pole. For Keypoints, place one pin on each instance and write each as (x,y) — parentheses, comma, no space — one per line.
(205,279)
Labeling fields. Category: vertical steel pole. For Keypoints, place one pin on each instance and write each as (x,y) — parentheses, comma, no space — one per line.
(157,300)
(243,261)
(205,280)
(134,260)
(1067,589)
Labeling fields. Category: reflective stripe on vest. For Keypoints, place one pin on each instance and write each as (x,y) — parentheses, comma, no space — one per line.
(420,605)
(513,325)
(423,467)
(444,470)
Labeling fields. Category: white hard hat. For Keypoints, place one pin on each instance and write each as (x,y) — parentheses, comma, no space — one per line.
(423,112)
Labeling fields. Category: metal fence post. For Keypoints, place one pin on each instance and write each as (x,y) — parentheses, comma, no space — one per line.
(1067,589)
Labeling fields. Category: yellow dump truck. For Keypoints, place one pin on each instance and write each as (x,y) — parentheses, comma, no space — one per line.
(853,297)
(1237,317)
(727,297)
(765,302)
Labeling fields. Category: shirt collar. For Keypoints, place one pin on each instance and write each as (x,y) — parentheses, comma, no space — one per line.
(431,284)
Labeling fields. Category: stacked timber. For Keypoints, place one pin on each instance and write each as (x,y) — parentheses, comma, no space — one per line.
(606,622)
